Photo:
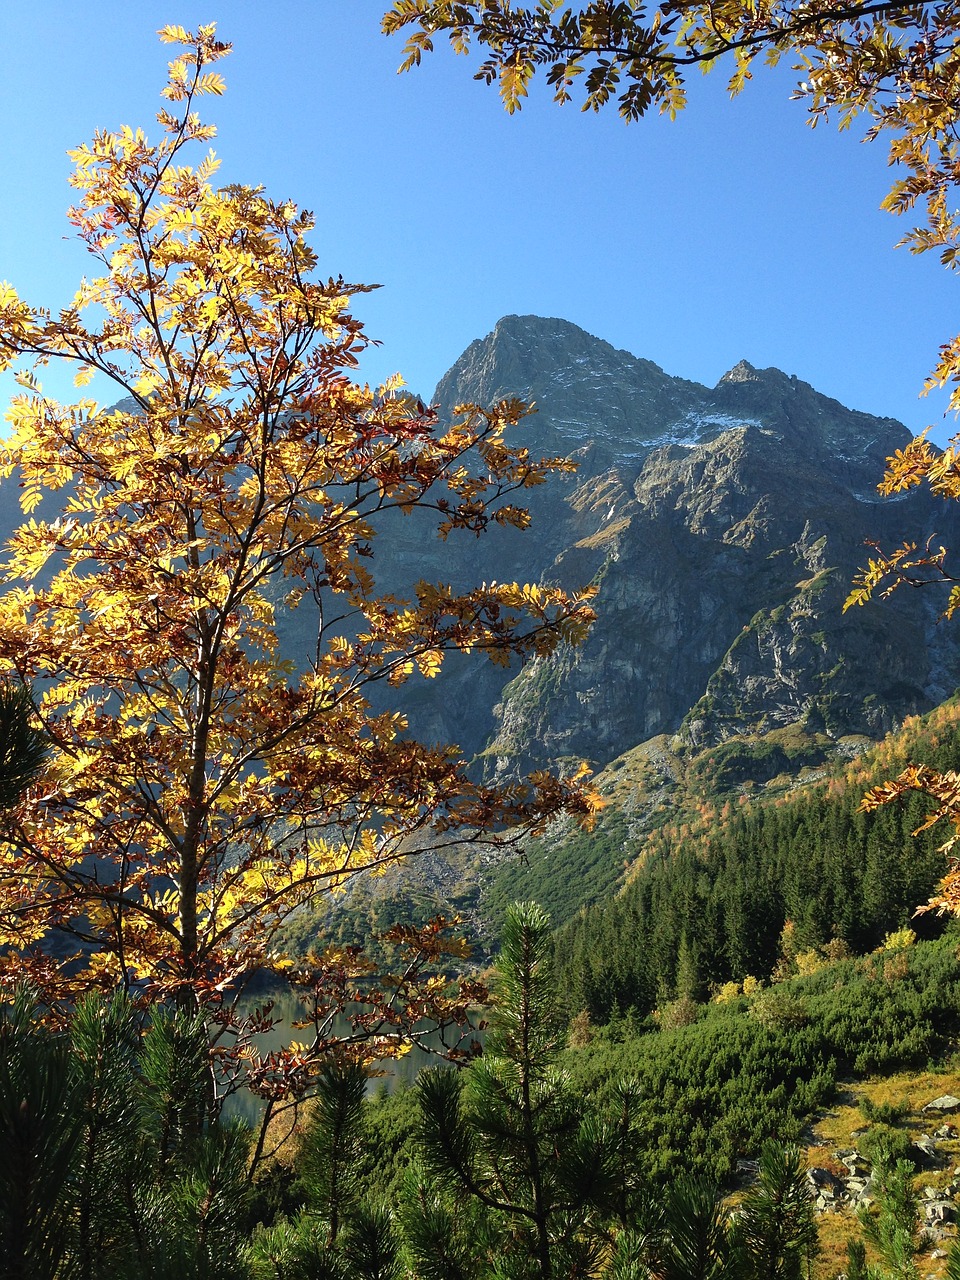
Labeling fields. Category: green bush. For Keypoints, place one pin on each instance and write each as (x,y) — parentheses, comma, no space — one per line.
(713,1092)
(884,1145)
(885,1113)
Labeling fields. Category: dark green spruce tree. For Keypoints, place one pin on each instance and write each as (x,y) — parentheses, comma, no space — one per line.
(39,1125)
(339,1234)
(103,1173)
(518,1177)
(776,1233)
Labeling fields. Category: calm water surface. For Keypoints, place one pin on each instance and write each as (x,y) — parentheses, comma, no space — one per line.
(287,1009)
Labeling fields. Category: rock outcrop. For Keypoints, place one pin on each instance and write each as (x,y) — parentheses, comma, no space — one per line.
(722,527)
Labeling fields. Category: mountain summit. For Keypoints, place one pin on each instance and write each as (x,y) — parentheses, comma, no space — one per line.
(723,526)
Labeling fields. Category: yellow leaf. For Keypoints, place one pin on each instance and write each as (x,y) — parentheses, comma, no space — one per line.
(171,34)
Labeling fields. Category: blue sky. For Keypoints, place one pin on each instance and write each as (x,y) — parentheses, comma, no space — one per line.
(734,232)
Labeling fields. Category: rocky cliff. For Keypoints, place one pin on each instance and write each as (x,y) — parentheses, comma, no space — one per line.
(722,526)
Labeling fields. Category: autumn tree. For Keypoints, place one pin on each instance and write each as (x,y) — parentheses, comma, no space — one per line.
(201,785)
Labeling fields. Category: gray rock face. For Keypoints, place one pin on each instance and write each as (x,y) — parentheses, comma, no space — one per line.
(940,1211)
(924,1151)
(723,527)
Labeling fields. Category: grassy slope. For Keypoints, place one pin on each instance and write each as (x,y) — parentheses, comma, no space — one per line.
(841,1126)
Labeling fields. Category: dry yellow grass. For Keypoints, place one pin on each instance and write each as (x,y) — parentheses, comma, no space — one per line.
(838,1129)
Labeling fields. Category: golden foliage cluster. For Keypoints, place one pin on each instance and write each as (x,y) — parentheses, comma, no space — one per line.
(201,788)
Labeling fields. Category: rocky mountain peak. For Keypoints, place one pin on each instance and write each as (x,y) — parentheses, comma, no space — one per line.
(612,408)
(741,372)
(586,391)
(744,372)
(723,526)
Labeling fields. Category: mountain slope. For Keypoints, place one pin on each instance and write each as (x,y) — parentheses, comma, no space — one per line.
(722,527)
(722,557)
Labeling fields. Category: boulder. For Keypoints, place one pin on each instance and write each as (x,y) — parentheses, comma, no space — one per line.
(946,1104)
(924,1149)
(940,1211)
